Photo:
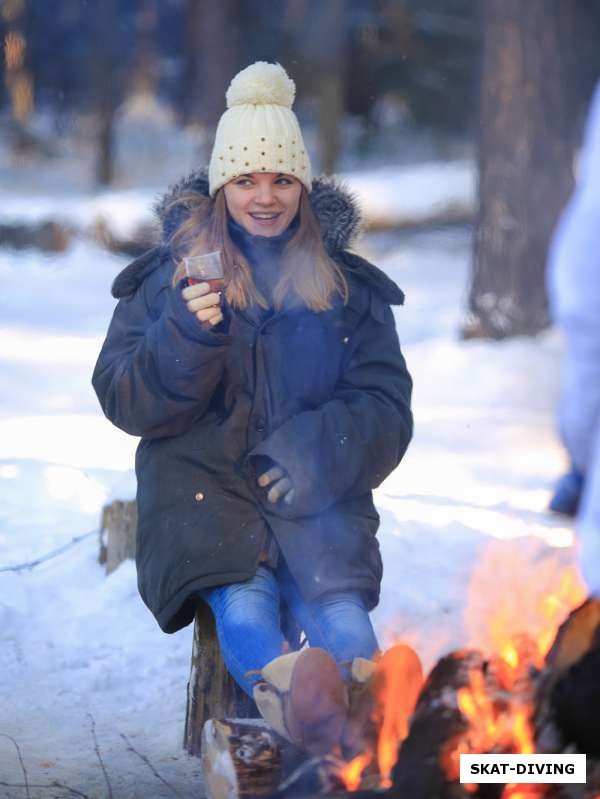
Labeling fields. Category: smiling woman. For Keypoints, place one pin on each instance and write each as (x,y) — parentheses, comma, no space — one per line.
(268,411)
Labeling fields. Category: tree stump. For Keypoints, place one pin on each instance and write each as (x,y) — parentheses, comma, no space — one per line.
(212,691)
(117,533)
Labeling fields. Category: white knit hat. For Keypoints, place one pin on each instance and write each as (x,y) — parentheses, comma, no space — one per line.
(259,131)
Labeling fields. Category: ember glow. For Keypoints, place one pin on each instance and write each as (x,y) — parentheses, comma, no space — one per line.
(352,773)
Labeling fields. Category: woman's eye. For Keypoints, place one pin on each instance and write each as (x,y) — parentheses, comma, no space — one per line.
(284,181)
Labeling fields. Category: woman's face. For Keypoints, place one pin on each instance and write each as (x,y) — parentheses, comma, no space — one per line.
(263,203)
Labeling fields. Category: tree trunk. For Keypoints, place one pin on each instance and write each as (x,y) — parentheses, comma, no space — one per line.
(526,146)
(108,88)
(325,52)
(211,47)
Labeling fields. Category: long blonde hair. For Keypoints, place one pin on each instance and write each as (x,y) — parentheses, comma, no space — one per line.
(307,271)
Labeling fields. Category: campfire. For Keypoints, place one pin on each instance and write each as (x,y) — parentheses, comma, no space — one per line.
(530,693)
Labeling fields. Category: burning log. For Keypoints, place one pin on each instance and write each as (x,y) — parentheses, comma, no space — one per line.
(576,701)
(568,695)
(470,704)
(436,725)
(503,704)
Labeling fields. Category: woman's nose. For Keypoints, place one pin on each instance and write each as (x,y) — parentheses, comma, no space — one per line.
(264,195)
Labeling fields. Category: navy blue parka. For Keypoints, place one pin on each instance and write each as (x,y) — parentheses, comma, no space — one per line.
(324,395)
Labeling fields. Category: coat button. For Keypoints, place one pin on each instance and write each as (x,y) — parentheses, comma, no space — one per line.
(259,424)
(199,496)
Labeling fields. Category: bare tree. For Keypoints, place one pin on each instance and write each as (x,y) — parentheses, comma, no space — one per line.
(526,146)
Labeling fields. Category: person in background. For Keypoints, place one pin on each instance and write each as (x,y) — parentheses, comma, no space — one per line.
(566,495)
(267,412)
(574,287)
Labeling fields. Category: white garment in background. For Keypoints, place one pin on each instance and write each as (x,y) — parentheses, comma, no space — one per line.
(574,287)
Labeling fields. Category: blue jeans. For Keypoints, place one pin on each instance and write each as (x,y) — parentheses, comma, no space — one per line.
(249,626)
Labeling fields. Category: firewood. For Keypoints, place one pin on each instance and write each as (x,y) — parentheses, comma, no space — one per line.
(563,682)
(240,758)
(575,701)
(574,637)
(245,758)
(436,724)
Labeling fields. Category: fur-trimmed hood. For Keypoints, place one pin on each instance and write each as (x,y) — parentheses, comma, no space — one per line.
(334,207)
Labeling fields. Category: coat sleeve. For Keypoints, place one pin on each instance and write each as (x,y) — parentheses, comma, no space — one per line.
(158,369)
(348,445)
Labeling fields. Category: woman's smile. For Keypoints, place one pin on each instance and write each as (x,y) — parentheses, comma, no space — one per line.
(265,219)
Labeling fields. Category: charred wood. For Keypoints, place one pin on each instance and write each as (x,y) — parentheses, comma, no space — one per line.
(435,726)
(568,676)
(576,702)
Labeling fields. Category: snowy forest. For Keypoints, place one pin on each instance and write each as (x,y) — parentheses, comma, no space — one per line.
(457,126)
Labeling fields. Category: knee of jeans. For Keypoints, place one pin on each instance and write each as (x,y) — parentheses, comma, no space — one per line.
(242,626)
(247,610)
(342,599)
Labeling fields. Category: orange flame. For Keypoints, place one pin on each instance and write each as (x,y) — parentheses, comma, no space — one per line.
(396,684)
(494,619)
(499,707)
(497,704)
(522,731)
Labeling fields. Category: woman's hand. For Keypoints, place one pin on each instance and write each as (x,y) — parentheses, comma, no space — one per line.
(204,304)
(280,485)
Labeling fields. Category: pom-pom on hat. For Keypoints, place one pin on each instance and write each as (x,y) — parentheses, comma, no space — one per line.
(259,131)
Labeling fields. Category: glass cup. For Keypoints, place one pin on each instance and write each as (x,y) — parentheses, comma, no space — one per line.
(206,268)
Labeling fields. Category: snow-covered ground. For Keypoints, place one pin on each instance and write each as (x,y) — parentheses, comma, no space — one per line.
(86,673)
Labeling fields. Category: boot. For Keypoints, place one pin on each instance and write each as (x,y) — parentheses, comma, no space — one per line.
(302,697)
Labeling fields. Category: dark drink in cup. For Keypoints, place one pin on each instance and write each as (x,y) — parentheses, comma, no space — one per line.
(206,268)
